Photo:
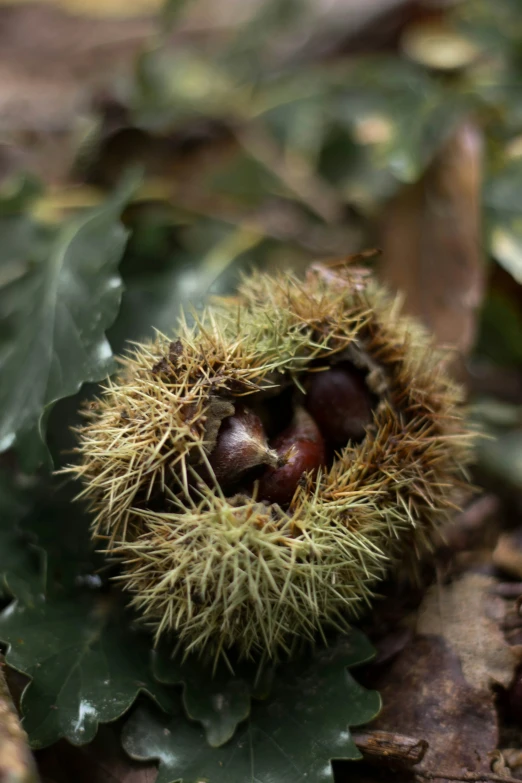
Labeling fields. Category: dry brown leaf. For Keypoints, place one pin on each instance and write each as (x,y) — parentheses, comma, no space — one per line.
(426,696)
(468,616)
(431,240)
(439,688)
(508,761)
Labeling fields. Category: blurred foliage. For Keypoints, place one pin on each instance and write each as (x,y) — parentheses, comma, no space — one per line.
(251,131)
(270,142)
(102,8)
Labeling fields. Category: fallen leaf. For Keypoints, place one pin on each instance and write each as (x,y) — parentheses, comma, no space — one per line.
(426,694)
(439,688)
(468,616)
(510,762)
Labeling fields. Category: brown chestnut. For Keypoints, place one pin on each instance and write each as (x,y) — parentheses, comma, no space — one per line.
(300,449)
(340,402)
(240,446)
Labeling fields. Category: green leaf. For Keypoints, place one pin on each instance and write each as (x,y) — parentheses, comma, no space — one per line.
(495,413)
(399,114)
(176,85)
(498,27)
(86,663)
(22,565)
(219,700)
(500,457)
(62,529)
(292,735)
(243,179)
(502,197)
(18,194)
(64,303)
(500,330)
(209,263)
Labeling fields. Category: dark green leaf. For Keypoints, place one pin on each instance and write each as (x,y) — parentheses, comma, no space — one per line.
(86,663)
(208,265)
(22,565)
(291,736)
(244,179)
(494,413)
(500,334)
(218,700)
(62,529)
(500,457)
(64,303)
(178,85)
(399,114)
(496,27)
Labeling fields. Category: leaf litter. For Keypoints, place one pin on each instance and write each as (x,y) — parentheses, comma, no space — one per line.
(447,682)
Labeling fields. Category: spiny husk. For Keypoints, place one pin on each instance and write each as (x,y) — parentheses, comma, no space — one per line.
(237,572)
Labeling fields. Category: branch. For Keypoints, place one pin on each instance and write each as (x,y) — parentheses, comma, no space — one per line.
(387,747)
(16,761)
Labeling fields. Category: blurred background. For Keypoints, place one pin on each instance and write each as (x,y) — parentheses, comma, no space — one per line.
(271,133)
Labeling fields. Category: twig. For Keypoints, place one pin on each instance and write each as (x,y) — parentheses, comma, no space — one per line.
(387,747)
(16,761)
